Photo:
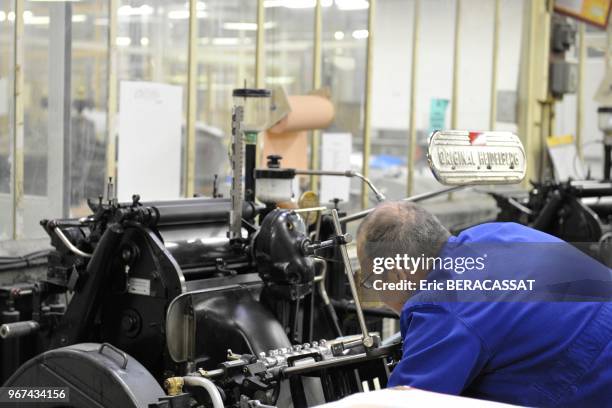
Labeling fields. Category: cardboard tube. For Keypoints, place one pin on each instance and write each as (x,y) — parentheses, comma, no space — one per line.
(308,112)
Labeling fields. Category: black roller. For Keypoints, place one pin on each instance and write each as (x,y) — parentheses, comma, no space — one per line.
(196,211)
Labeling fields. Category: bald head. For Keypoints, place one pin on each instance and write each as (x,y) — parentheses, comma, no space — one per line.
(400,227)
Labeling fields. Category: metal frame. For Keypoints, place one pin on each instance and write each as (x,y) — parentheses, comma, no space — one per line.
(192,89)
(580,91)
(456,55)
(111,116)
(532,111)
(412,134)
(260,47)
(534,106)
(17,122)
(367,121)
(315,142)
(494,63)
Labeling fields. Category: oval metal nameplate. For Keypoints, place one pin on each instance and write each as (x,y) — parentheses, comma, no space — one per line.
(462,157)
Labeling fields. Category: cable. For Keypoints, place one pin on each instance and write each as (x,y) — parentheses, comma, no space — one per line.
(36,258)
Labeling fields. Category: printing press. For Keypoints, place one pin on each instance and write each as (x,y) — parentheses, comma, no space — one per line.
(216,302)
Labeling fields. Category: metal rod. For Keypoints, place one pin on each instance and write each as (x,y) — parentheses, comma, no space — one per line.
(315,142)
(192,73)
(367,121)
(419,197)
(17,119)
(348,173)
(69,244)
(412,126)
(494,63)
(580,90)
(111,90)
(456,45)
(368,341)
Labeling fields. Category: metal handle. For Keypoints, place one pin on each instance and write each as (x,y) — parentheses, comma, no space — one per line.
(18,329)
(69,244)
(116,350)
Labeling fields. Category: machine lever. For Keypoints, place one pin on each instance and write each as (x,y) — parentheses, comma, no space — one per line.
(368,341)
(342,239)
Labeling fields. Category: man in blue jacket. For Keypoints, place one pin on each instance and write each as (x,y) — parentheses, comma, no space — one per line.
(500,312)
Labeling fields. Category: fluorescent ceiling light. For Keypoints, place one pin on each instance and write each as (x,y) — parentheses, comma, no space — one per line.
(184,14)
(11,16)
(339,35)
(352,4)
(360,34)
(273,3)
(144,10)
(300,4)
(123,41)
(144,41)
(30,19)
(2,16)
(225,41)
(296,3)
(247,26)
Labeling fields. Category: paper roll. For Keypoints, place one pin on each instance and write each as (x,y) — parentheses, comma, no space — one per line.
(308,112)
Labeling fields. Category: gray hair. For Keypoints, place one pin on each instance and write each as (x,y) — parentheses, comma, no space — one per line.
(400,227)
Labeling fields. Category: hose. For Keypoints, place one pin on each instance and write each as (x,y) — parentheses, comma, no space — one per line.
(209,386)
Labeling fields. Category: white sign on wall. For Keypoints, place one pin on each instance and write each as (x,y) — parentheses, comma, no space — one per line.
(149,146)
(335,156)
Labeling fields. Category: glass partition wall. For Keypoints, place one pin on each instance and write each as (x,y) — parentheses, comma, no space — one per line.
(70,69)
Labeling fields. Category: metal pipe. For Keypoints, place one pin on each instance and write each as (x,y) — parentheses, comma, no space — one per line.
(494,63)
(348,173)
(419,197)
(455,91)
(315,143)
(69,244)
(368,341)
(367,121)
(192,73)
(208,386)
(412,126)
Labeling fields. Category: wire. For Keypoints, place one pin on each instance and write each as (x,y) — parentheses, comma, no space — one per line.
(37,258)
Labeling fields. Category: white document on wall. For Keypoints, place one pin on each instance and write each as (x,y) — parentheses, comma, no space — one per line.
(335,156)
(149,145)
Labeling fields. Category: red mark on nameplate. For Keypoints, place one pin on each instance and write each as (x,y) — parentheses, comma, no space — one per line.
(477,138)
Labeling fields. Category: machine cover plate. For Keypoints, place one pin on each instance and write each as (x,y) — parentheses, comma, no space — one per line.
(465,158)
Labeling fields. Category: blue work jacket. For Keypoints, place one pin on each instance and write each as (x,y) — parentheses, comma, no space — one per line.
(546,347)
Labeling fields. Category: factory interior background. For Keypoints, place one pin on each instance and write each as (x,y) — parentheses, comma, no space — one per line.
(74,56)
(109,104)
